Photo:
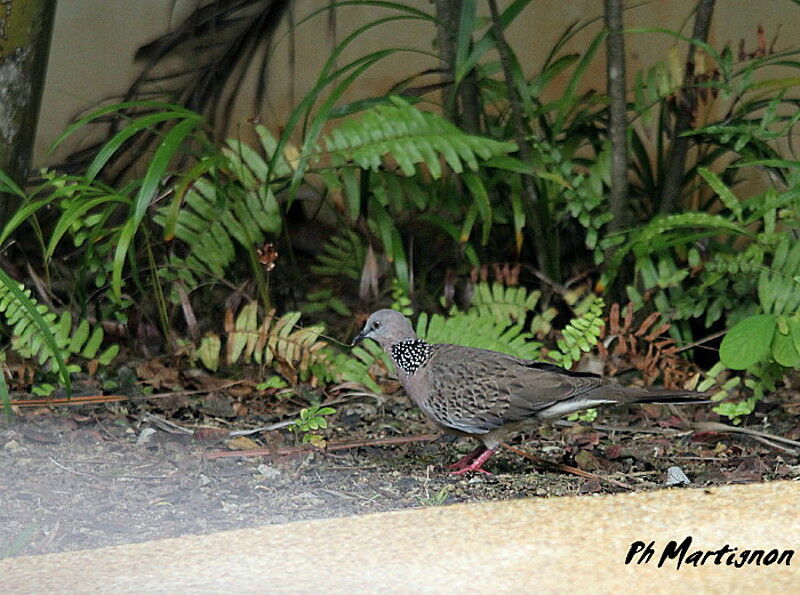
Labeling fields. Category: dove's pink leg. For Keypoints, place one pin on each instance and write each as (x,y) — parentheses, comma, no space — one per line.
(476,464)
(467,459)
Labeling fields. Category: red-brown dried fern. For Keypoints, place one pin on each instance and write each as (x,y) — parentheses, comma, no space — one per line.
(645,349)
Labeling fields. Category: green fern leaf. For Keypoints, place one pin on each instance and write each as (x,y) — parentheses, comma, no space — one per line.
(504,303)
(41,335)
(474,329)
(342,255)
(779,285)
(410,137)
(581,334)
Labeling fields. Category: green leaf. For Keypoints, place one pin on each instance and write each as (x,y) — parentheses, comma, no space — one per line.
(108,355)
(132,129)
(23,214)
(5,398)
(155,172)
(209,351)
(728,198)
(90,350)
(784,350)
(79,336)
(117,107)
(352,189)
(273,381)
(794,331)
(508,163)
(9,186)
(748,342)
(487,41)
(466,26)
(73,213)
(480,194)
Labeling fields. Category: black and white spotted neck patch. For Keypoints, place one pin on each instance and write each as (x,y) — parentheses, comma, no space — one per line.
(410,355)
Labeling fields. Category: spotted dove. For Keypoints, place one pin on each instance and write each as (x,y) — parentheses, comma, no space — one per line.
(490,395)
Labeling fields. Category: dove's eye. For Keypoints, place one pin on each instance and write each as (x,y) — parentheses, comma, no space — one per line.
(376,325)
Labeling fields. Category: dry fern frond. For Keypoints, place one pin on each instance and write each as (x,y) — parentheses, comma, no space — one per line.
(643,348)
(274,341)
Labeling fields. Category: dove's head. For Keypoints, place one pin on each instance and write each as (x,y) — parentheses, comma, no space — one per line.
(386,327)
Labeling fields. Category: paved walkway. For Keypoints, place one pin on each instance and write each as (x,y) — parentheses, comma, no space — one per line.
(560,545)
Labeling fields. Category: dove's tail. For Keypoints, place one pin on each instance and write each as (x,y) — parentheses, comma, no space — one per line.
(659,396)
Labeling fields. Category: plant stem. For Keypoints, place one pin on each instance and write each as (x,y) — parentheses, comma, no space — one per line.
(446,25)
(618,121)
(686,104)
(461,102)
(160,299)
(539,209)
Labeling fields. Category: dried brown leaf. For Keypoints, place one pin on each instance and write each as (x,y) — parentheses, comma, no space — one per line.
(647,323)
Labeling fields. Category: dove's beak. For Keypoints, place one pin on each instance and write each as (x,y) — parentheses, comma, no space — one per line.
(358,338)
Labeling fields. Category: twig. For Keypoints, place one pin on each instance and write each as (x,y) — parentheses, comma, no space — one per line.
(633,429)
(96,399)
(75,471)
(775,445)
(269,428)
(711,426)
(331,446)
(770,440)
(164,424)
(564,468)
(699,342)
(104,476)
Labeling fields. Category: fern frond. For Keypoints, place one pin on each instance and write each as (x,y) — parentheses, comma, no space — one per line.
(581,334)
(779,285)
(410,136)
(211,227)
(213,219)
(295,353)
(40,334)
(325,299)
(474,329)
(249,166)
(361,365)
(502,302)
(274,342)
(342,255)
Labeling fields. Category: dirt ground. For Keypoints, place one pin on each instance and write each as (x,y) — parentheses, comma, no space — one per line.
(93,476)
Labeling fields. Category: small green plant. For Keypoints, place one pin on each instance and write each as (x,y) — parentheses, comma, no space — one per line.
(747,276)
(309,421)
(437,499)
(44,389)
(775,332)
(273,381)
(588,415)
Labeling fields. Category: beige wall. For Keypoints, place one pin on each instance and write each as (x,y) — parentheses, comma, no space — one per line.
(95,40)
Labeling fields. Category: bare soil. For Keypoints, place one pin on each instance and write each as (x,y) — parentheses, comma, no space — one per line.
(83,477)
